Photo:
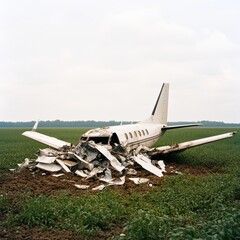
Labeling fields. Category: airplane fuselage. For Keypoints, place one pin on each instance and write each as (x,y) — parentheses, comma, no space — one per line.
(130,136)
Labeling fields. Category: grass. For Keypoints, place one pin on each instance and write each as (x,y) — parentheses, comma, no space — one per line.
(182,207)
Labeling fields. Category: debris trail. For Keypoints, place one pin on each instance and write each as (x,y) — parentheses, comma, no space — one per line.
(96,162)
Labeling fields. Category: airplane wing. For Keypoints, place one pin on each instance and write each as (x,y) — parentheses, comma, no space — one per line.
(49,141)
(180,126)
(185,145)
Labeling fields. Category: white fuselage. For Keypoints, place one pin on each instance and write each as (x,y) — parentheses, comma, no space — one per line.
(127,135)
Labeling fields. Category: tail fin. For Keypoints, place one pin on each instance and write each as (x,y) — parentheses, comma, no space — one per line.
(160,110)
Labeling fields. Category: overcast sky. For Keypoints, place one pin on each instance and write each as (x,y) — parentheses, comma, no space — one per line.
(107,60)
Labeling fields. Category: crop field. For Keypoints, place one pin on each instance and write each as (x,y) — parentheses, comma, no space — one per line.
(202,201)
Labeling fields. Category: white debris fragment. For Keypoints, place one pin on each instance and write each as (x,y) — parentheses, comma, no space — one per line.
(58,175)
(69,163)
(118,182)
(84,187)
(107,177)
(81,173)
(131,171)
(24,164)
(139,180)
(62,164)
(114,162)
(100,187)
(49,167)
(178,172)
(148,166)
(161,165)
(45,159)
(88,165)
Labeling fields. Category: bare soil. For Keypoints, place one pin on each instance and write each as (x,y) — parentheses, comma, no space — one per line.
(38,182)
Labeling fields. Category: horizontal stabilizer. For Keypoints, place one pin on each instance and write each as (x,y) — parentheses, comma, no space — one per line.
(181,126)
(49,141)
(190,144)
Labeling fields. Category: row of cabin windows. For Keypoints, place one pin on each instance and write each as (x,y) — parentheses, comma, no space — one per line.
(136,133)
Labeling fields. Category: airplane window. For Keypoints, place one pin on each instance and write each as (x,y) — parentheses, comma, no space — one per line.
(143,133)
(139,133)
(130,134)
(135,133)
(146,131)
(126,136)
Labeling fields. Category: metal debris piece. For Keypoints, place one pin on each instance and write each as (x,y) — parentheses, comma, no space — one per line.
(62,164)
(45,159)
(107,176)
(49,167)
(131,171)
(24,164)
(100,187)
(88,165)
(58,175)
(141,160)
(139,180)
(178,172)
(84,187)
(81,173)
(113,161)
(161,165)
(94,172)
(119,182)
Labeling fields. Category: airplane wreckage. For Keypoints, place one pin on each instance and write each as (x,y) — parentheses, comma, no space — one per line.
(110,153)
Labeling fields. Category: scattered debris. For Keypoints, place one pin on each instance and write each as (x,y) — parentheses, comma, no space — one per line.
(139,180)
(100,187)
(92,162)
(84,187)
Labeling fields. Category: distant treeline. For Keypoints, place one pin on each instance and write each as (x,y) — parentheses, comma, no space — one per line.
(93,124)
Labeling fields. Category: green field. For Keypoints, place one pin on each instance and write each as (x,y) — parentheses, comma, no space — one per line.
(187,206)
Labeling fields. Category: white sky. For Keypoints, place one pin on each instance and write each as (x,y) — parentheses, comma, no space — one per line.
(106,60)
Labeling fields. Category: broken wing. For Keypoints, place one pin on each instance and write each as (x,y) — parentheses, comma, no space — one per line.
(50,141)
(185,145)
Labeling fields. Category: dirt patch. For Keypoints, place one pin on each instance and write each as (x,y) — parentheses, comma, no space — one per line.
(39,182)
(36,183)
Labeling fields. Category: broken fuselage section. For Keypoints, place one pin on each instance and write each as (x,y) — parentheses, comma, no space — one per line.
(129,136)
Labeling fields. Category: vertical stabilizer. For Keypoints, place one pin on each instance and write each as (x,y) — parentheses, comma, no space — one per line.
(160,110)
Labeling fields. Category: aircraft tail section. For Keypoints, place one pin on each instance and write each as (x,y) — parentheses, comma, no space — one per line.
(160,110)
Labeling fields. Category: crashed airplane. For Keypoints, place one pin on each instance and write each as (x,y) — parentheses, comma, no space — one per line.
(115,147)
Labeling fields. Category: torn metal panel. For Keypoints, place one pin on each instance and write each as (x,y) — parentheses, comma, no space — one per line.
(131,171)
(81,173)
(45,159)
(119,182)
(83,187)
(100,187)
(113,161)
(49,167)
(70,163)
(94,172)
(161,165)
(58,175)
(24,164)
(62,164)
(87,165)
(47,152)
(139,180)
(148,166)
(107,176)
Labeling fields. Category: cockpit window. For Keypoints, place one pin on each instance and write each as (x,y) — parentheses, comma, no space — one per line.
(103,140)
